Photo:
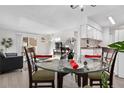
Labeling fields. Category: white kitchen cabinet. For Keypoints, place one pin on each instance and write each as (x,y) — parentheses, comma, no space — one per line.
(101,36)
(94,34)
(98,35)
(90,32)
(83,31)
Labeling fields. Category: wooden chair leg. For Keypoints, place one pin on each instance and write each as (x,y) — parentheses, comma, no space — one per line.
(30,85)
(79,80)
(100,83)
(91,82)
(53,84)
(111,86)
(35,85)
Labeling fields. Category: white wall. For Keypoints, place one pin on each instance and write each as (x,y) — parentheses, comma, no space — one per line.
(8,34)
(43,47)
(106,37)
(119,69)
(64,35)
(94,24)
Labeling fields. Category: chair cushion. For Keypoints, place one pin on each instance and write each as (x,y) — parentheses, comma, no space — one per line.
(42,75)
(97,75)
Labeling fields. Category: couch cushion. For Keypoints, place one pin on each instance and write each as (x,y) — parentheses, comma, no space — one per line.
(11,54)
(43,75)
(2,55)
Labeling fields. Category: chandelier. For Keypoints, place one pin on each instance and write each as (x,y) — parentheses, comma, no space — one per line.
(80,6)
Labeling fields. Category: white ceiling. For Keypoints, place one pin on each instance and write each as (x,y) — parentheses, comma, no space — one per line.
(49,19)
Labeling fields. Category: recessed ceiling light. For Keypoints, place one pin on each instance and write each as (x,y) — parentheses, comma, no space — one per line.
(111,20)
(81,6)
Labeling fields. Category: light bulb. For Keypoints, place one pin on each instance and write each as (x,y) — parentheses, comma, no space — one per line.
(81,6)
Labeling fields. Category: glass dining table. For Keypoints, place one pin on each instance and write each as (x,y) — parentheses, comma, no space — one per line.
(63,67)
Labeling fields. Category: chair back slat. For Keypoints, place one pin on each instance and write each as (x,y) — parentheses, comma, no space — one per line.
(112,66)
(31,51)
(108,56)
(29,64)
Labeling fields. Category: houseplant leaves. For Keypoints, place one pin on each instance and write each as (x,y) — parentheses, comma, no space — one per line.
(119,46)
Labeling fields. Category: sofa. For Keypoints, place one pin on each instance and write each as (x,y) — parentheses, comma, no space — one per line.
(10,63)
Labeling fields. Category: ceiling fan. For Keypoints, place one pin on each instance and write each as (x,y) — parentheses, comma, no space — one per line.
(80,6)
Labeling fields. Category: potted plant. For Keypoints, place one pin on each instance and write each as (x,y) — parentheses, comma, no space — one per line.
(104,78)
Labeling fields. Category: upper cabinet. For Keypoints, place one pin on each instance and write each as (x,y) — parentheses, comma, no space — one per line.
(98,35)
(91,30)
(91,33)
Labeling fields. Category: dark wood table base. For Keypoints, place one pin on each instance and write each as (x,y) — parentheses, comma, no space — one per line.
(60,79)
(84,79)
(80,82)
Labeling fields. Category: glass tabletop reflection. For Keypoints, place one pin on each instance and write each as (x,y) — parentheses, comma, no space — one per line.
(64,66)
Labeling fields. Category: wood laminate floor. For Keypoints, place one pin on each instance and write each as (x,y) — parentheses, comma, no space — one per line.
(18,79)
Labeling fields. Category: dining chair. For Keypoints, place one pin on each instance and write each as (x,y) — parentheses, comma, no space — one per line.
(108,57)
(38,76)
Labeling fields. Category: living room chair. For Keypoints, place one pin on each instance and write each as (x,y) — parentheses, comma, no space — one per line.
(108,57)
(38,76)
